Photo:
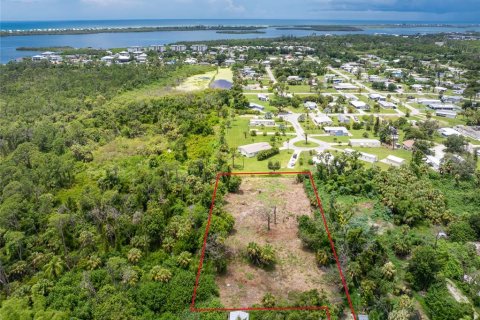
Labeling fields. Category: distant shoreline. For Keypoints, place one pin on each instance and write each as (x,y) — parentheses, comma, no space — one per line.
(320,28)
(74,31)
(240,31)
(225,29)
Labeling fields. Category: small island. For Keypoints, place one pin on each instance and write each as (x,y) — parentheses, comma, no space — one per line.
(240,31)
(321,28)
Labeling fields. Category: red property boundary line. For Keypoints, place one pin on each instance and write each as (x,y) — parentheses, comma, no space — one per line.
(332,245)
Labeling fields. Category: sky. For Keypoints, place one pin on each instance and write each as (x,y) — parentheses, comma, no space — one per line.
(393,10)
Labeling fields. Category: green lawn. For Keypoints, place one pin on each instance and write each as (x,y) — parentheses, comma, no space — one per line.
(299,88)
(235,135)
(302,144)
(310,127)
(383,152)
(253,98)
(450,122)
(253,165)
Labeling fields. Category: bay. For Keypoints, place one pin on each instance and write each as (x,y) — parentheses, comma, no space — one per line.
(8,45)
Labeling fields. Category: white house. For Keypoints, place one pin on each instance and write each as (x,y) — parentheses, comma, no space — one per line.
(191,61)
(370,143)
(427,102)
(107,59)
(262,97)
(142,57)
(417,87)
(123,58)
(433,162)
(294,78)
(229,62)
(448,132)
(440,89)
(310,105)
(452,99)
(441,106)
(322,119)
(387,104)
(446,114)
(239,315)
(262,122)
(350,96)
(336,131)
(38,58)
(394,161)
(377,97)
(256,106)
(345,86)
(359,104)
(343,118)
(367,157)
(251,150)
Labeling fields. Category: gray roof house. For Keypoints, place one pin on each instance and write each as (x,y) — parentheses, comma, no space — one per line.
(251,150)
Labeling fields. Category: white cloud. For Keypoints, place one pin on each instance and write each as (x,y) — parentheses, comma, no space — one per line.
(227,5)
(105,3)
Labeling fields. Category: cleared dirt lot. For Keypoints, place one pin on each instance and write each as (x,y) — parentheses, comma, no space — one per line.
(296,271)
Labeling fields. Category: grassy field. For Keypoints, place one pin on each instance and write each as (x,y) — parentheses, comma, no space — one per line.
(197,82)
(382,152)
(253,98)
(253,165)
(310,127)
(299,89)
(224,74)
(235,135)
(302,144)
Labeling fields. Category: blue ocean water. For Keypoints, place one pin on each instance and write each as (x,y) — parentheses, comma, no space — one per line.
(9,44)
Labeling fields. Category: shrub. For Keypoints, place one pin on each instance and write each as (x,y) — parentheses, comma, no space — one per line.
(261,256)
(442,306)
(461,231)
(265,154)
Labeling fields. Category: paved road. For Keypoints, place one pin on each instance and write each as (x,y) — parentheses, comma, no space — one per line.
(270,74)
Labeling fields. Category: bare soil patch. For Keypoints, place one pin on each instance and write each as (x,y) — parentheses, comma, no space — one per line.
(296,271)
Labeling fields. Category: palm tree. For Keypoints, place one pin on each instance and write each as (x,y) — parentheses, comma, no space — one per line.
(234,153)
(160,274)
(134,255)
(55,267)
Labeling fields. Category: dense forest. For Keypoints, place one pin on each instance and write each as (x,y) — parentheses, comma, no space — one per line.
(104,199)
